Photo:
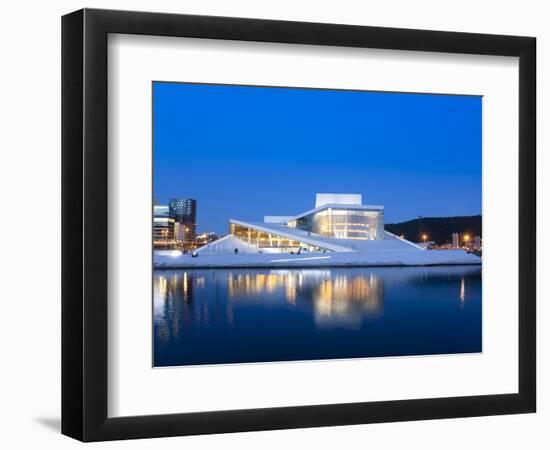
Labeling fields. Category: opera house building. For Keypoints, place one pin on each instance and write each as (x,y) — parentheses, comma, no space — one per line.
(338,223)
(338,231)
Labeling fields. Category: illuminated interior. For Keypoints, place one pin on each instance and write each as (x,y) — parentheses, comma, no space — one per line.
(163,231)
(270,242)
(342,223)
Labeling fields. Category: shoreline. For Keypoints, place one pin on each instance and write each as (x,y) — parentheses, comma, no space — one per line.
(304,266)
(412,258)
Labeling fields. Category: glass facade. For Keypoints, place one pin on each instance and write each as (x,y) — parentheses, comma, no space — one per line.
(270,242)
(163,228)
(342,223)
(184,212)
(163,232)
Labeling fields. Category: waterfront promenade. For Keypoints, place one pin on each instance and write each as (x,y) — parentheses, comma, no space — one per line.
(178,260)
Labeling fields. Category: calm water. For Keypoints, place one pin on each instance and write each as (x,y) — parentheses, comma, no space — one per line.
(253,315)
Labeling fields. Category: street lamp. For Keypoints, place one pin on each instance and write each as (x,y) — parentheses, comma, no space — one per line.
(466,239)
(424,238)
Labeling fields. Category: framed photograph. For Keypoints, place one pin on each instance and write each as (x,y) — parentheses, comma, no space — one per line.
(273,224)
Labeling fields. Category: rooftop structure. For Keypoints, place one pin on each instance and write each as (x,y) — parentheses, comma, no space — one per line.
(343,199)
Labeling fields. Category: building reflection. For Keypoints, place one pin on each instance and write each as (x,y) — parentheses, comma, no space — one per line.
(186,301)
(232,315)
(462,293)
(253,284)
(175,305)
(168,290)
(337,299)
(346,300)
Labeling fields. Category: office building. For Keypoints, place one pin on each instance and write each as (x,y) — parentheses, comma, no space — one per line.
(184,212)
(163,227)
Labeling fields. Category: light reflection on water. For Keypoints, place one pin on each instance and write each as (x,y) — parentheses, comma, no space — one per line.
(247,315)
(339,299)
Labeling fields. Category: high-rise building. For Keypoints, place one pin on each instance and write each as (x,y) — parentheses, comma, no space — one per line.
(163,227)
(184,212)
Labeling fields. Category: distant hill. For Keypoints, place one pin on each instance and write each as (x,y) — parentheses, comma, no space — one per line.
(437,229)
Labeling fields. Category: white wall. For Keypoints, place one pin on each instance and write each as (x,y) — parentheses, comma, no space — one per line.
(30,173)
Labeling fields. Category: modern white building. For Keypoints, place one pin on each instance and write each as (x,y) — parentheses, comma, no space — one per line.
(339,231)
(338,223)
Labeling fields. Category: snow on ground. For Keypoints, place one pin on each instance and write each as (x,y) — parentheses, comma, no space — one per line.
(176,260)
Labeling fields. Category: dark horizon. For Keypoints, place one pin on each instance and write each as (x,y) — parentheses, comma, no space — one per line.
(246,152)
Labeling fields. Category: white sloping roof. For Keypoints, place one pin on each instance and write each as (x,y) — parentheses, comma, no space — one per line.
(391,242)
(277,219)
(394,236)
(227,244)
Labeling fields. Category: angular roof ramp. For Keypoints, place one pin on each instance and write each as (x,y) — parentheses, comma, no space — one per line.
(278,219)
(294,234)
(227,244)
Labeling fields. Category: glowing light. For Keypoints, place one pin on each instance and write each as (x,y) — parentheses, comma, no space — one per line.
(301,259)
(175,253)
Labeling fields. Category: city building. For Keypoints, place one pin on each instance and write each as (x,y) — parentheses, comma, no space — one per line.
(181,236)
(163,227)
(184,212)
(206,237)
(477,243)
(456,240)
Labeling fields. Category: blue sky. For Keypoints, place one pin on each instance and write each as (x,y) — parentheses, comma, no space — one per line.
(244,152)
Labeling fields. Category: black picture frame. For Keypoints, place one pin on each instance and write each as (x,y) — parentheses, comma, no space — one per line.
(84,224)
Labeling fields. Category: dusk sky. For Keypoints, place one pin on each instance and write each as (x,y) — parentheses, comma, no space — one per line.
(245,152)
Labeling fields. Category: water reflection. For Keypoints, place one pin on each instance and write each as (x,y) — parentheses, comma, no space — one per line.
(198,313)
(337,300)
(346,300)
(462,294)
